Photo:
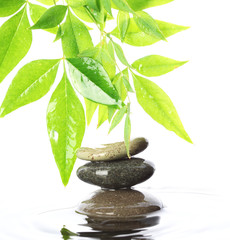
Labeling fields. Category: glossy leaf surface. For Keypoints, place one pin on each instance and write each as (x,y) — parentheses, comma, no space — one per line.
(92,81)
(136,37)
(36,11)
(117,118)
(31,83)
(51,18)
(123,23)
(148,25)
(66,127)
(158,105)
(15,42)
(155,65)
(76,37)
(8,7)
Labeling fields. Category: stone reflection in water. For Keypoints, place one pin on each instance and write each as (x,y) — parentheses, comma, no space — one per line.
(119,205)
(120,214)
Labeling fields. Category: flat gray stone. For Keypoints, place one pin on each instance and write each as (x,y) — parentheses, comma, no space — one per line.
(116,174)
(119,204)
(112,151)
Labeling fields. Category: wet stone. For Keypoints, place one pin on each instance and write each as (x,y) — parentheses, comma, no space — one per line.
(112,151)
(116,174)
(119,205)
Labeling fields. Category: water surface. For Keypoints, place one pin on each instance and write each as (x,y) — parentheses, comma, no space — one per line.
(188,214)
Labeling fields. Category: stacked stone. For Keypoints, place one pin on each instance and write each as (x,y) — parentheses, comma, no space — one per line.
(115,173)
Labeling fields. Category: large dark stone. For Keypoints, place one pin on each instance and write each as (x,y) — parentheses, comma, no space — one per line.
(112,151)
(119,205)
(116,174)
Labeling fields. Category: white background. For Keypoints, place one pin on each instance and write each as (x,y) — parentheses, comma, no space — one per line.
(29,178)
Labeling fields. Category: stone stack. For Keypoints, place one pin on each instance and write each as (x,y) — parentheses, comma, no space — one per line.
(111,169)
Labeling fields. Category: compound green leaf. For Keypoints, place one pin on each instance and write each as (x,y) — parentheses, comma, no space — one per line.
(15,42)
(148,25)
(51,18)
(66,127)
(158,105)
(102,115)
(155,65)
(127,130)
(123,23)
(31,83)
(136,37)
(8,7)
(36,11)
(138,5)
(90,109)
(92,81)
(76,37)
(47,2)
(118,117)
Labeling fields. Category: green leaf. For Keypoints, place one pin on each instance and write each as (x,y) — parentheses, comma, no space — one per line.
(111,112)
(119,84)
(92,81)
(15,42)
(36,11)
(59,34)
(97,16)
(127,130)
(66,127)
(76,37)
(155,65)
(148,25)
(51,18)
(123,5)
(47,2)
(138,5)
(106,57)
(90,110)
(120,54)
(118,117)
(82,13)
(102,115)
(104,54)
(107,5)
(127,84)
(123,23)
(136,37)
(8,7)
(31,83)
(158,105)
